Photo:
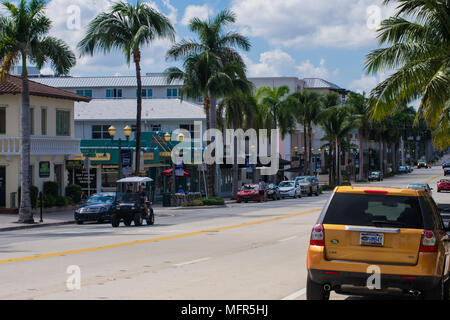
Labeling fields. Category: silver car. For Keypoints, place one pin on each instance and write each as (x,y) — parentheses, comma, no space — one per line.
(308,185)
(289,189)
(420,186)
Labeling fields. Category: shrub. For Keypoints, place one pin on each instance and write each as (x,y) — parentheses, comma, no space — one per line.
(34,194)
(213,201)
(49,201)
(195,203)
(361,181)
(61,201)
(328,188)
(51,188)
(74,191)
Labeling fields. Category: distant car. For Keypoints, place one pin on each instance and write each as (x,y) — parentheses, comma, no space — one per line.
(443,185)
(420,186)
(308,185)
(376,175)
(249,192)
(409,169)
(273,192)
(98,207)
(446,171)
(289,189)
(446,164)
(422,164)
(403,169)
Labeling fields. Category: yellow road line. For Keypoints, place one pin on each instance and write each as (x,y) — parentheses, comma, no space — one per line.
(432,179)
(132,243)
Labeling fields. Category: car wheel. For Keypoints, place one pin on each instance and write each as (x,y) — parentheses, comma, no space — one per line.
(317,192)
(315,291)
(138,219)
(151,219)
(127,221)
(437,293)
(115,220)
(79,222)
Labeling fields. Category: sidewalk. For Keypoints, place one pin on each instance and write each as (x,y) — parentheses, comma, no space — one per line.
(8,222)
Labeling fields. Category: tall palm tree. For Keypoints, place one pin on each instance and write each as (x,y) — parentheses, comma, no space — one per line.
(128,28)
(236,112)
(308,108)
(358,104)
(418,36)
(206,63)
(23,38)
(337,123)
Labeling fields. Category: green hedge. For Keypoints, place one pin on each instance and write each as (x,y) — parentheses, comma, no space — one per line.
(74,192)
(206,202)
(51,188)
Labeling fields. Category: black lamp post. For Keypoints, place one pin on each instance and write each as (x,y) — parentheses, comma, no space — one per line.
(112,133)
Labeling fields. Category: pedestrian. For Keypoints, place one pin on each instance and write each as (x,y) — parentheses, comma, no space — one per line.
(262,190)
(143,198)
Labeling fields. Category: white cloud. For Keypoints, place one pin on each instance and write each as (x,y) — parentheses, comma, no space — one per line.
(279,63)
(311,23)
(193,11)
(368,82)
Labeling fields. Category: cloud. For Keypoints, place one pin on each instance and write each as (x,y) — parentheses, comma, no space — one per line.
(193,11)
(368,82)
(311,23)
(278,63)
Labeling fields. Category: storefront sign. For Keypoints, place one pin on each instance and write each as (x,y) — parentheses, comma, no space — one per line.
(44,169)
(82,178)
(149,156)
(165,154)
(126,157)
(94,157)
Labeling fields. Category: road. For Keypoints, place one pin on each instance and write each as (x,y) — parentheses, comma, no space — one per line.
(246,251)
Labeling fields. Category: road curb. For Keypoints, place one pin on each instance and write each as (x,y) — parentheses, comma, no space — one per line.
(202,207)
(36,225)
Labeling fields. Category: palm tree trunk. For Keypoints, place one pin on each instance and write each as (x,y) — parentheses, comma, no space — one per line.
(235,170)
(137,59)
(338,171)
(361,157)
(25,211)
(310,164)
(305,165)
(212,172)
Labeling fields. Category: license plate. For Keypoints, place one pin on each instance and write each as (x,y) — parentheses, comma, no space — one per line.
(372,239)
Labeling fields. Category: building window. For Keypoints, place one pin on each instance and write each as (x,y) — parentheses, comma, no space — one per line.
(2,120)
(43,121)
(155,127)
(173,93)
(146,93)
(62,123)
(100,132)
(113,93)
(85,92)
(190,128)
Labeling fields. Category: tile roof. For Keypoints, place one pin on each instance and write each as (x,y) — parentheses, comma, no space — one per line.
(153,80)
(13,85)
(125,109)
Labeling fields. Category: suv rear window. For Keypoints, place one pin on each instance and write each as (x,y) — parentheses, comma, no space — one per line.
(374,210)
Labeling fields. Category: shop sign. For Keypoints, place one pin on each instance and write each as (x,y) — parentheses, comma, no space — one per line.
(44,169)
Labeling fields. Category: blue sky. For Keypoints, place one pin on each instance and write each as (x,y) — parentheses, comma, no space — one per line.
(328,39)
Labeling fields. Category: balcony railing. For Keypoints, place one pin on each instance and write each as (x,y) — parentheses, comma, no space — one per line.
(41,146)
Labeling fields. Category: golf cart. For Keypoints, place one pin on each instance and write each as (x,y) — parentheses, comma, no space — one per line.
(128,205)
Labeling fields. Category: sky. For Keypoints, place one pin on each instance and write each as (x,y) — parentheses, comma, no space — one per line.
(328,39)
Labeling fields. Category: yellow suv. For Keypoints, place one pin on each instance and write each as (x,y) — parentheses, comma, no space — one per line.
(379,240)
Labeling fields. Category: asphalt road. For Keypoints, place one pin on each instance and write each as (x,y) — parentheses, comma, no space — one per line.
(246,251)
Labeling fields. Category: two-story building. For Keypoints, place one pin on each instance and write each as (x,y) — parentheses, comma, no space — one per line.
(52,136)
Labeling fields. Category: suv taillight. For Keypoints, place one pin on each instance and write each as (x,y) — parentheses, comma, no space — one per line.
(428,243)
(317,236)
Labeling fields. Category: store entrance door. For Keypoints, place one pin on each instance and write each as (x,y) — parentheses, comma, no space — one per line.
(2,187)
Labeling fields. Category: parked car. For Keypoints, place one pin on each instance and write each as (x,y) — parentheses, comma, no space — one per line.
(446,171)
(403,169)
(397,230)
(98,207)
(420,186)
(273,192)
(249,192)
(308,185)
(443,185)
(422,164)
(446,164)
(289,189)
(376,175)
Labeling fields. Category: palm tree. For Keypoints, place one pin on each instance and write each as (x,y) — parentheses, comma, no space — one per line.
(23,38)
(236,112)
(308,108)
(210,64)
(442,133)
(419,50)
(128,28)
(358,104)
(337,123)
